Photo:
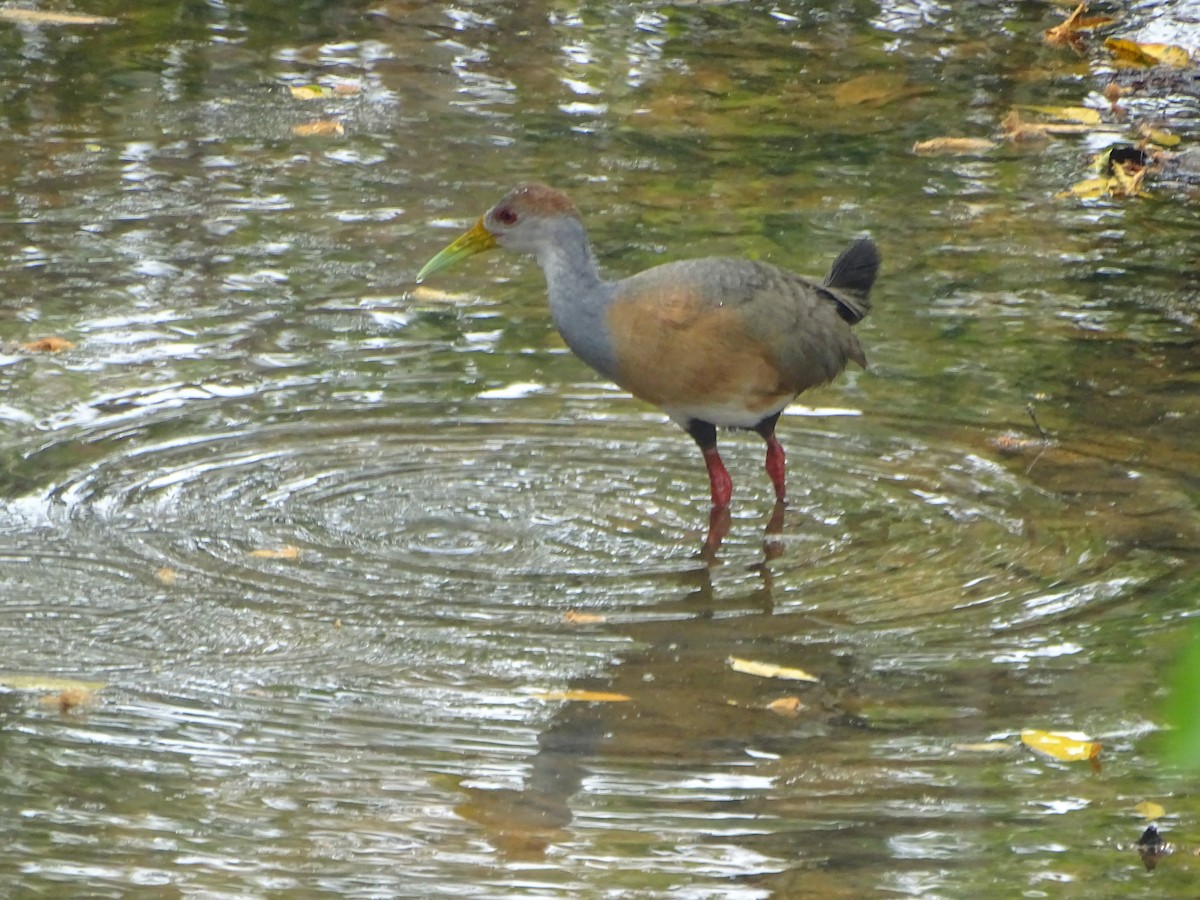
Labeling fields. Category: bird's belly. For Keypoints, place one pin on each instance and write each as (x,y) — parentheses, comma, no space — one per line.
(726,415)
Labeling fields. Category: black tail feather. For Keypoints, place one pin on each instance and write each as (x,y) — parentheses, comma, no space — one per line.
(850,279)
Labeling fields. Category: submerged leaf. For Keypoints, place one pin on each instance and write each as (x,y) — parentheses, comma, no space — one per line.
(768,670)
(952,145)
(1065,746)
(875,89)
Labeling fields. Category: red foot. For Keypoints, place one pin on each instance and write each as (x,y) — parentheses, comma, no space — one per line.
(718,479)
(776,467)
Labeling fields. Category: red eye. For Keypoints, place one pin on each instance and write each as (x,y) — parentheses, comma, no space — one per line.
(506,215)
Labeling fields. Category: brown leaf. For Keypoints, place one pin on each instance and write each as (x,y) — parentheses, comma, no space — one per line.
(952,146)
(289,553)
(1066,33)
(52,344)
(786,706)
(69,700)
(166,575)
(319,128)
(575,617)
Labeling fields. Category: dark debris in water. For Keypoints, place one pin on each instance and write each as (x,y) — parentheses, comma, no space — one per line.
(1151,848)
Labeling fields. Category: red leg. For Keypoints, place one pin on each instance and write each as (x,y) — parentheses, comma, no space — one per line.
(776,467)
(718,479)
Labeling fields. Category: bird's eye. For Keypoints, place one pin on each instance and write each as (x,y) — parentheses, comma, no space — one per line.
(506,215)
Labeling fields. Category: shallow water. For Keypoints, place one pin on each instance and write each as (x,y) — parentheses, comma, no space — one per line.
(372,713)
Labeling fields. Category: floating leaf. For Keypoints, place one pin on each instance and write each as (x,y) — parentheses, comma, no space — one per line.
(1018,129)
(289,552)
(47,683)
(1159,136)
(768,670)
(1133,53)
(583,696)
(983,747)
(1083,114)
(786,706)
(37,17)
(575,617)
(1089,189)
(952,145)
(1062,745)
(310,91)
(69,700)
(319,128)
(52,344)
(166,575)
(1066,33)
(1148,809)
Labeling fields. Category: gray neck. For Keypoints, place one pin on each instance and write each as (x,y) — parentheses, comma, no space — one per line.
(579,297)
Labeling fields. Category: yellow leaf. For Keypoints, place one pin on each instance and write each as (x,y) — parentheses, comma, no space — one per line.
(1159,136)
(1089,189)
(319,128)
(289,552)
(309,92)
(583,696)
(1132,53)
(52,344)
(575,617)
(982,747)
(1066,746)
(1148,809)
(1082,114)
(952,145)
(768,670)
(47,683)
(166,575)
(37,17)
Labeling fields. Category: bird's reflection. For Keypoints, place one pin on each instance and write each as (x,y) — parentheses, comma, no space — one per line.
(718,529)
(665,679)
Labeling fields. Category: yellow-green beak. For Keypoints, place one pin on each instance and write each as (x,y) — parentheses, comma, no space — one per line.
(475,240)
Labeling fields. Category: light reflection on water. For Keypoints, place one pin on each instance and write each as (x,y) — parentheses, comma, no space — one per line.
(254,371)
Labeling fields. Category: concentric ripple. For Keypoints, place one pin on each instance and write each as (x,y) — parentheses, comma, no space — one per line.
(480,517)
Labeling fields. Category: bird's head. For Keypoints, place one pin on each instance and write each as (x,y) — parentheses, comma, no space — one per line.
(525,220)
